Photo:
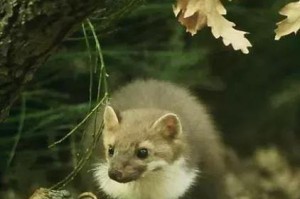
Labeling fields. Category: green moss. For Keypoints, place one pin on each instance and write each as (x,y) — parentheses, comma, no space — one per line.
(7,9)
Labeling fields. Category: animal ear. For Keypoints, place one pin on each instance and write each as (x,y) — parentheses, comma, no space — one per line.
(169,124)
(110,118)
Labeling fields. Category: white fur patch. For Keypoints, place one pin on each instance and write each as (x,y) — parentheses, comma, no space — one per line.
(169,183)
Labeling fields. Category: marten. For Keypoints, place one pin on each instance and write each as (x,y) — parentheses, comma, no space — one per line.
(158,142)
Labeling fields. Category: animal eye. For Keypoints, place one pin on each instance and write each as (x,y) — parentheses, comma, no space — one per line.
(111,151)
(142,153)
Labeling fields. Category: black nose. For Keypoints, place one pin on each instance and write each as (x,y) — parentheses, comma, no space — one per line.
(115,175)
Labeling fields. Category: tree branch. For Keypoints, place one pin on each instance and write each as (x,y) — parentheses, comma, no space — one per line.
(31,30)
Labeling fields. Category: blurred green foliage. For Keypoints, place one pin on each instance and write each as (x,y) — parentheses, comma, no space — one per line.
(255,98)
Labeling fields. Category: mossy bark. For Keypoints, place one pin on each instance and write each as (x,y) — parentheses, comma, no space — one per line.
(31,30)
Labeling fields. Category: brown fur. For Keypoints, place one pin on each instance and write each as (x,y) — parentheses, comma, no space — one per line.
(139,105)
(202,139)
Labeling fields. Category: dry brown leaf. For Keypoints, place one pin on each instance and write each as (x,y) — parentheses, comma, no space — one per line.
(43,193)
(291,23)
(195,14)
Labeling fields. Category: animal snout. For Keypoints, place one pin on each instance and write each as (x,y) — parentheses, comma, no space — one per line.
(115,174)
(121,176)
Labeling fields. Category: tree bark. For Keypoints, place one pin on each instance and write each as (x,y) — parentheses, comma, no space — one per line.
(31,30)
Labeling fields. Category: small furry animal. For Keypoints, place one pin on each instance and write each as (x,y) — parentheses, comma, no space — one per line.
(158,142)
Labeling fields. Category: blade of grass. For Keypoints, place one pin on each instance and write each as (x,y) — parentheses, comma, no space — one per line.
(102,74)
(90,63)
(20,130)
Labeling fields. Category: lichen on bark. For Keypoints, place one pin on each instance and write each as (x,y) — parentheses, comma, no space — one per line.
(31,30)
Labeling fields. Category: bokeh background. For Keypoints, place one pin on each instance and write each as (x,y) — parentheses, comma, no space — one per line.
(254,98)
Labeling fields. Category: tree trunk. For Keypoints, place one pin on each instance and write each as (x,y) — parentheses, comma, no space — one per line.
(30,31)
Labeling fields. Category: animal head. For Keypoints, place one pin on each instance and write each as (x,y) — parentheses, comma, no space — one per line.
(140,141)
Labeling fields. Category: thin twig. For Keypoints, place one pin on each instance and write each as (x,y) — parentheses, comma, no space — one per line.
(97,132)
(78,125)
(81,162)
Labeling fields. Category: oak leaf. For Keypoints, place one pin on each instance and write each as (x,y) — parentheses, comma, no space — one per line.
(292,21)
(195,14)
